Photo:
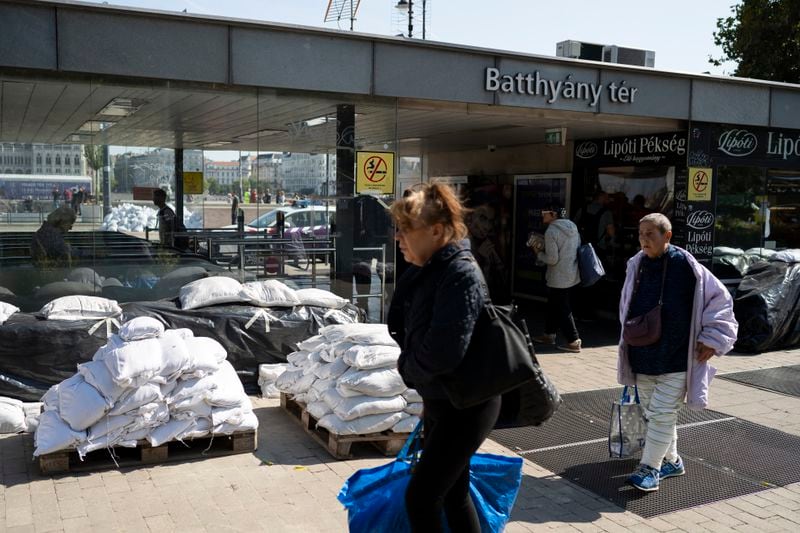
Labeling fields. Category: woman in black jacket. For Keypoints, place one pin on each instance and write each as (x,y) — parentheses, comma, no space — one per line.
(433,312)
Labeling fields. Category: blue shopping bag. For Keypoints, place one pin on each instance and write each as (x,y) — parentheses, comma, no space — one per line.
(375,497)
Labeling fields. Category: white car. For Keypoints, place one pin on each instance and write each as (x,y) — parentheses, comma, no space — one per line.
(312,219)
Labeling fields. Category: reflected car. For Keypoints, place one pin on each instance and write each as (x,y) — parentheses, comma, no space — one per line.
(312,220)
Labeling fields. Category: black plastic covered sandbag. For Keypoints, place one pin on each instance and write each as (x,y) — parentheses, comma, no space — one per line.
(767,307)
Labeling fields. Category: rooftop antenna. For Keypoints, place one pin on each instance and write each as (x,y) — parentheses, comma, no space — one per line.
(339,9)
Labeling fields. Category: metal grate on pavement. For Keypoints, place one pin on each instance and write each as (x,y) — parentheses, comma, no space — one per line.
(783,379)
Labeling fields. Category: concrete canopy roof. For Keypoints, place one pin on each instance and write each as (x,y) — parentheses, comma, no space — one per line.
(204,82)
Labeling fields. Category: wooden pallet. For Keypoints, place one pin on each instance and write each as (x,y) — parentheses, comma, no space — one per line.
(339,446)
(145,454)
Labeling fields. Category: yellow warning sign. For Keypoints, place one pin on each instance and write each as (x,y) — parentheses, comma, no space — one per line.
(375,172)
(192,183)
(699,184)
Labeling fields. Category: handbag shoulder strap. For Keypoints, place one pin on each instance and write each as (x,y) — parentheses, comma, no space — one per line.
(638,279)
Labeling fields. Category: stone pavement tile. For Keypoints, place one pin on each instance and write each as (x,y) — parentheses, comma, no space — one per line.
(72,508)
(624,519)
(28,528)
(660,524)
(151,506)
(76,525)
(68,491)
(751,508)
(114,484)
(719,516)
(42,486)
(793,516)
(50,521)
(160,523)
(19,516)
(44,501)
(91,481)
(784,524)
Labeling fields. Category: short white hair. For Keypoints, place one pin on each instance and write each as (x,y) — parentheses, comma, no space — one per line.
(658,220)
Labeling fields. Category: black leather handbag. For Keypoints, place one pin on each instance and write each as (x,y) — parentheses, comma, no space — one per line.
(500,360)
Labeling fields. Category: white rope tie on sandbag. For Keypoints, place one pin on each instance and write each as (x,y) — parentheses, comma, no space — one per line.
(108,321)
(259,314)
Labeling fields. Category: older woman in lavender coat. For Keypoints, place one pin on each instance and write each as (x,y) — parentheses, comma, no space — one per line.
(697,323)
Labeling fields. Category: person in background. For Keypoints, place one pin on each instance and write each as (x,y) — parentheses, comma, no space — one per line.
(559,251)
(234,207)
(280,199)
(696,313)
(268,197)
(432,316)
(168,223)
(48,246)
(253,196)
(596,223)
(67,197)
(79,197)
(56,195)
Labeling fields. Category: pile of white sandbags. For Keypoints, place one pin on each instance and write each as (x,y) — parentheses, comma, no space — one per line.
(347,377)
(268,374)
(145,383)
(131,217)
(17,416)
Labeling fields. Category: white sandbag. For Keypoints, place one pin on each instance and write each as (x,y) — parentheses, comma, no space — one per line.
(80,404)
(135,398)
(109,425)
(321,385)
(270,391)
(149,416)
(382,382)
(341,332)
(31,423)
(310,369)
(414,408)
(6,310)
(106,441)
(97,375)
(301,398)
(206,355)
(169,431)
(50,398)
(188,388)
(412,396)
(269,373)
(80,308)
(210,291)
(302,385)
(230,415)
(287,380)
(201,428)
(192,407)
(360,406)
(406,425)
(167,388)
(112,282)
(249,422)
(12,418)
(32,408)
(358,334)
(143,327)
(311,343)
(332,398)
(360,426)
(12,401)
(113,342)
(786,256)
(299,358)
(318,409)
(320,298)
(228,391)
(184,333)
(136,435)
(85,275)
(372,357)
(269,293)
(339,349)
(53,434)
(135,362)
(175,355)
(331,370)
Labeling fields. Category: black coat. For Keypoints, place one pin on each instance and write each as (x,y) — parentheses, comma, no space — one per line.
(432,315)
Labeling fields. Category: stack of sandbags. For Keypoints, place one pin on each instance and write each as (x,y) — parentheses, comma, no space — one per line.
(145,383)
(347,377)
(17,416)
(130,217)
(268,374)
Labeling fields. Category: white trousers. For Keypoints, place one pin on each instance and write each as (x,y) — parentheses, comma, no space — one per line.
(662,397)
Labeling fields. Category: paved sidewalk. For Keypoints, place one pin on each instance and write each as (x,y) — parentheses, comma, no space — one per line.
(290,483)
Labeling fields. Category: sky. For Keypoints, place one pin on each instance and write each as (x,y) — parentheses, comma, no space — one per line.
(679,31)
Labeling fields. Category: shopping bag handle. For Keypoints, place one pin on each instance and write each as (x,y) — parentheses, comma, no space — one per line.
(626,397)
(413,440)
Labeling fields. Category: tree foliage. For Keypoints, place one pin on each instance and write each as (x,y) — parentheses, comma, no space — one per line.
(94,156)
(763,38)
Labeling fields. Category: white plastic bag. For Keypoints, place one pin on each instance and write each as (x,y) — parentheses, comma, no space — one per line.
(79,404)
(97,375)
(143,327)
(269,293)
(53,434)
(406,425)
(382,382)
(211,291)
(360,426)
(360,406)
(371,357)
(331,370)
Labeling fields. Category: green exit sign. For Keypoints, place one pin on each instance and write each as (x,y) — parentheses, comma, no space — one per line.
(555,136)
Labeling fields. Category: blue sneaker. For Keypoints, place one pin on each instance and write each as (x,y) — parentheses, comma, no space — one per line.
(670,469)
(645,478)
